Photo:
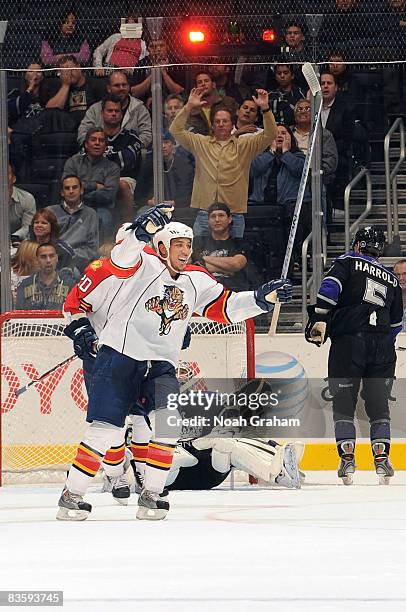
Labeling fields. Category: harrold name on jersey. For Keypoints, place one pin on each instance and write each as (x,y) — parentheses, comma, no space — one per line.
(377,271)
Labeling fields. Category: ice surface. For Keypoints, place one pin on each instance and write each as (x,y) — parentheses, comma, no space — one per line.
(324,547)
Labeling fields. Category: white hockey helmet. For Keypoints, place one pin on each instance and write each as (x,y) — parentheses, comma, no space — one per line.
(169,232)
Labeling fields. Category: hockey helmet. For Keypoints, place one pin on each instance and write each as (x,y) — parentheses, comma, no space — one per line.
(172,230)
(370,240)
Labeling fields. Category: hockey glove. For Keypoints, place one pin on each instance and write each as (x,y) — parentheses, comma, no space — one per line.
(151,221)
(316,328)
(84,338)
(279,290)
(187,338)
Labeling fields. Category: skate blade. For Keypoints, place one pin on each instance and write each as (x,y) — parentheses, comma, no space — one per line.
(122,501)
(383,479)
(151,514)
(348,479)
(67,514)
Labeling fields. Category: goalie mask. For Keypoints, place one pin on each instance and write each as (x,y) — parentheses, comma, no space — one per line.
(171,231)
(371,240)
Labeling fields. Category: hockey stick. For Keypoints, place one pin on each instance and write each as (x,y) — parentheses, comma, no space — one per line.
(44,375)
(314,86)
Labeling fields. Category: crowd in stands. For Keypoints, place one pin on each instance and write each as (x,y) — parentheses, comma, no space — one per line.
(234,139)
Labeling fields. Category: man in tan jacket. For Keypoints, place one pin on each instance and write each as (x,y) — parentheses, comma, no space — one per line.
(222,160)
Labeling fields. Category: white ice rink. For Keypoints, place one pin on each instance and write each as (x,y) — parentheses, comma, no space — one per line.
(325,547)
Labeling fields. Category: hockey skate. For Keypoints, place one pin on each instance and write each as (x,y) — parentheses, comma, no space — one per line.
(72,507)
(138,484)
(289,476)
(151,507)
(347,469)
(383,466)
(118,486)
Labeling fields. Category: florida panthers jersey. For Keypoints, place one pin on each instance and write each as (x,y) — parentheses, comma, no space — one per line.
(362,295)
(145,310)
(93,294)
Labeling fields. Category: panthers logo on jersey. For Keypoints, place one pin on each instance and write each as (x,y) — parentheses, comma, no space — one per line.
(169,308)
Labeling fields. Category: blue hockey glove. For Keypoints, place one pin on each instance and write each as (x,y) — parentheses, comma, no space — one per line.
(84,338)
(187,338)
(279,290)
(151,221)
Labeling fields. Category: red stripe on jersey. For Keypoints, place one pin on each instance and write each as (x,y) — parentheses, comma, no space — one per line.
(150,251)
(216,311)
(87,460)
(95,273)
(194,268)
(160,455)
(139,451)
(123,272)
(115,455)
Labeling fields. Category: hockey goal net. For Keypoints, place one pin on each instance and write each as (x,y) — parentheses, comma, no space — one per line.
(41,427)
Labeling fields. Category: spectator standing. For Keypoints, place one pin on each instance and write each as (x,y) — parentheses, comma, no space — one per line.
(44,228)
(222,160)
(22,208)
(338,118)
(31,98)
(173,80)
(223,256)
(45,289)
(123,148)
(74,93)
(67,41)
(201,118)
(120,52)
(99,177)
(79,224)
(135,115)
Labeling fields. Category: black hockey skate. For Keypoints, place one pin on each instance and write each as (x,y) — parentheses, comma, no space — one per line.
(138,484)
(72,507)
(118,486)
(347,464)
(383,466)
(151,507)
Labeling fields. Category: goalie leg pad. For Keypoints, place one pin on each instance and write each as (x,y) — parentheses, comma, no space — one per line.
(253,456)
(289,476)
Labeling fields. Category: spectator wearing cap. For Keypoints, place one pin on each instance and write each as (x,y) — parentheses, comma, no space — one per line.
(178,172)
(223,256)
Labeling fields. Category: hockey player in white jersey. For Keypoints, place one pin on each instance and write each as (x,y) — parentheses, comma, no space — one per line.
(144,330)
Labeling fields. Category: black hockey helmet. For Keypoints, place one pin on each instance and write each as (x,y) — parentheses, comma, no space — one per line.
(371,240)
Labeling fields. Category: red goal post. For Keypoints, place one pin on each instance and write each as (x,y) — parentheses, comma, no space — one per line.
(40,428)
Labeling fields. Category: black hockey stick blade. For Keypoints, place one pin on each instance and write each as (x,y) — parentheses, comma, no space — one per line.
(44,375)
